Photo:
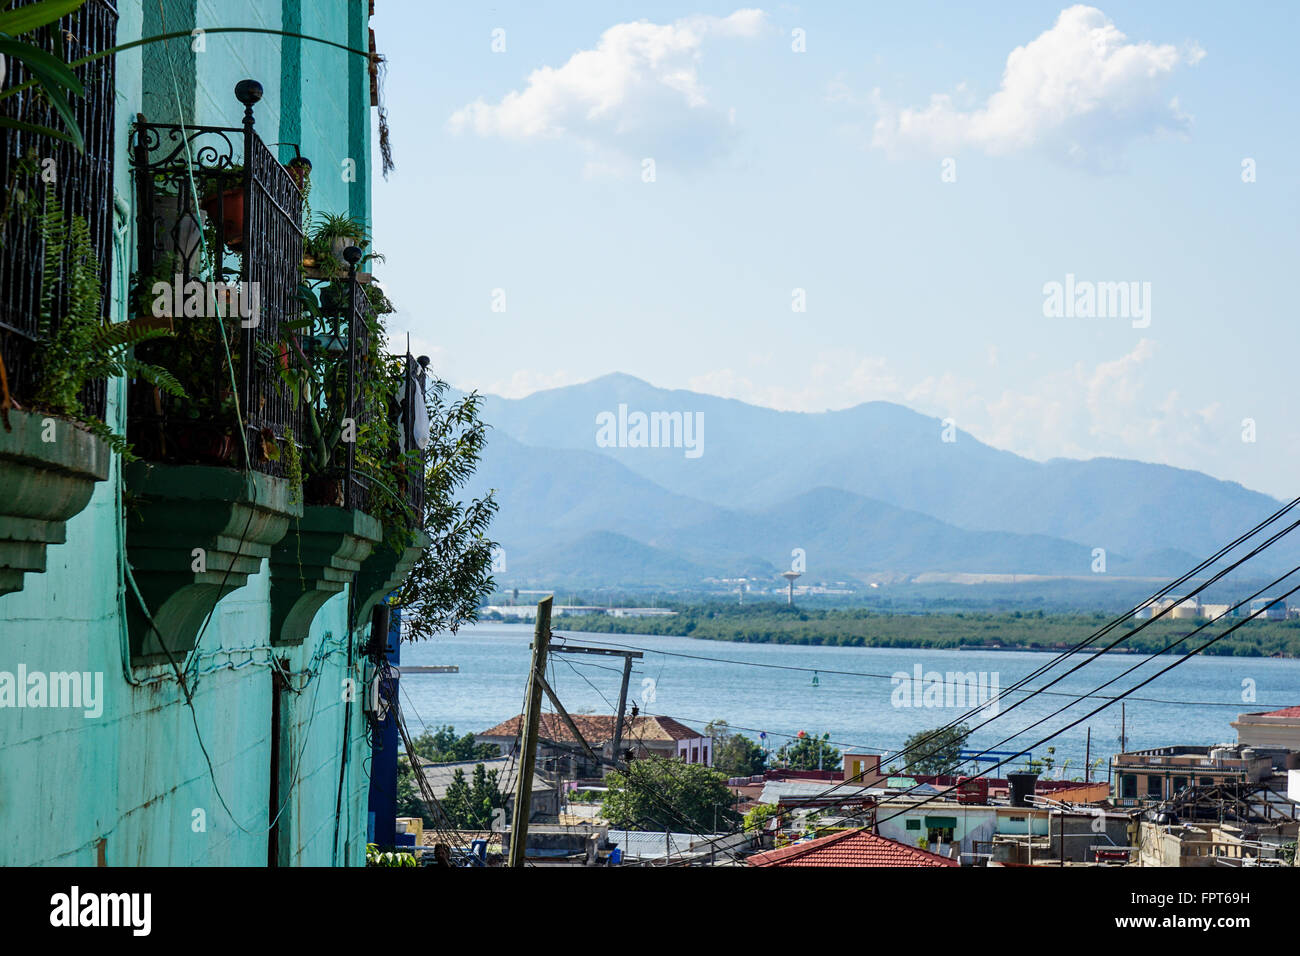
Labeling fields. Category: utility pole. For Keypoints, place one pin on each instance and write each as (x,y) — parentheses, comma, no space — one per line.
(1123,735)
(622,703)
(532,717)
(1087,757)
(628,657)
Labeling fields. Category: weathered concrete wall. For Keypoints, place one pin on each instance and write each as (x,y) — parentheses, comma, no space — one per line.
(132,786)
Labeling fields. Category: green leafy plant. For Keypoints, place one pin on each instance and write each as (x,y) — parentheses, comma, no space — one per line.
(52,75)
(82,345)
(293,466)
(450,578)
(377,857)
(331,234)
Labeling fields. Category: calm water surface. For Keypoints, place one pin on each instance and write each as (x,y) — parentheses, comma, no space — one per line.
(1199,698)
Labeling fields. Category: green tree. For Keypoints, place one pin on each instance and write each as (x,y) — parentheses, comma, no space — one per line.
(469,805)
(809,752)
(734,754)
(938,755)
(410,803)
(756,819)
(659,794)
(443,746)
(454,573)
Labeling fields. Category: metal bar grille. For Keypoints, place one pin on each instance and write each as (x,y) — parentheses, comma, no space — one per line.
(83,183)
(215,207)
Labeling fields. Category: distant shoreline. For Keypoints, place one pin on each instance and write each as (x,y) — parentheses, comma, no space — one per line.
(1016,631)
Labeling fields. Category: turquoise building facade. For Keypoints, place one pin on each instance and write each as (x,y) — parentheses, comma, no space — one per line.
(269,764)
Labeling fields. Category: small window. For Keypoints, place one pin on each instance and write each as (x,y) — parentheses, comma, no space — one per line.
(913,825)
(1128,786)
(1207,781)
(1180,783)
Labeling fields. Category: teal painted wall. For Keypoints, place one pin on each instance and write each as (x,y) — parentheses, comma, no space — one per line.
(131,786)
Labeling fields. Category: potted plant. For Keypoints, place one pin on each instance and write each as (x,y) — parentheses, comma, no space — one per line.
(324,246)
(52,450)
(83,345)
(225,204)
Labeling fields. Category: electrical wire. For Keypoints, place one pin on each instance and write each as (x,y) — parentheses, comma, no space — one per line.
(1110,701)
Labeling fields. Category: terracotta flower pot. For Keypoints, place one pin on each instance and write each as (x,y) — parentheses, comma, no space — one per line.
(323,490)
(229,206)
(203,444)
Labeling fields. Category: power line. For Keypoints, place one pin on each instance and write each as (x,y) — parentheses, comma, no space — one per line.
(866,674)
(1126,694)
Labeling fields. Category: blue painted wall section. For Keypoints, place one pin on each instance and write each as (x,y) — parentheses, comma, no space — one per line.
(147,781)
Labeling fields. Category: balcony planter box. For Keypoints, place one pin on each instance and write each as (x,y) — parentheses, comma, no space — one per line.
(315,561)
(42,485)
(194,533)
(383,571)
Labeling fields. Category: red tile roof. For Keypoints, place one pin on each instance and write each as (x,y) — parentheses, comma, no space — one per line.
(851,848)
(597,729)
(1284,712)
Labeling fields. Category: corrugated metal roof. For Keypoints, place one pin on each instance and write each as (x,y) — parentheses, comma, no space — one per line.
(648,845)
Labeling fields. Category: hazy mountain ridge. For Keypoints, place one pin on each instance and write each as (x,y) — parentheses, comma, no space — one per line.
(866,491)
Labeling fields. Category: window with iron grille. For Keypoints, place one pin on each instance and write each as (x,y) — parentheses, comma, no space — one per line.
(82,182)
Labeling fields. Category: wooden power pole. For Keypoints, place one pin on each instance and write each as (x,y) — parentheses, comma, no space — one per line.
(528,754)
(628,658)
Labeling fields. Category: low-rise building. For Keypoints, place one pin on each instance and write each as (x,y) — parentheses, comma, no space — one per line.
(1161,772)
(644,735)
(1270,729)
(545,794)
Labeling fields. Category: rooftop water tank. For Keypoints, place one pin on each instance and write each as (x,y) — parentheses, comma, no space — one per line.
(1022,787)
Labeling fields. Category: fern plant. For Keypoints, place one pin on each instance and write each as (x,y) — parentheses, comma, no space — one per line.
(82,345)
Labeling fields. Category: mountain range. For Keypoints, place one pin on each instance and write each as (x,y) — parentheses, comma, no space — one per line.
(876,492)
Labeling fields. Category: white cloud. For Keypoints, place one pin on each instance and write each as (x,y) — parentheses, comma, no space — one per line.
(1080,91)
(637,94)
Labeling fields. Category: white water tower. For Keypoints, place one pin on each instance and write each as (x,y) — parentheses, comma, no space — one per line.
(790,578)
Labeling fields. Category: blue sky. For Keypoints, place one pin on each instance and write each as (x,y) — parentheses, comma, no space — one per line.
(1110,147)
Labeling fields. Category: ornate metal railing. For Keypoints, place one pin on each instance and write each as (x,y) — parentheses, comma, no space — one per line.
(82,182)
(215,208)
(357,488)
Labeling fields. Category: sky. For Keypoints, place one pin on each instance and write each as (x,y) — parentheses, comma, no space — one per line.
(810,206)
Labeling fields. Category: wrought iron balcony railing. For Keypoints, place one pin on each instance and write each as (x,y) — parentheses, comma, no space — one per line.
(220,223)
(82,182)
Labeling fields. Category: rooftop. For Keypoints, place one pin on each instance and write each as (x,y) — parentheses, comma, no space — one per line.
(598,729)
(851,848)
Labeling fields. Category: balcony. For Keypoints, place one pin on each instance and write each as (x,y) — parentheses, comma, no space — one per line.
(219,227)
(291,425)
(49,462)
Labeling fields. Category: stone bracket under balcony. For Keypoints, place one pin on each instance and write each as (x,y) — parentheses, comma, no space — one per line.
(194,533)
(48,470)
(383,571)
(315,561)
